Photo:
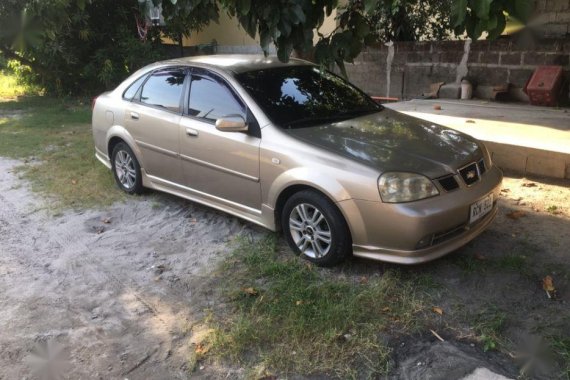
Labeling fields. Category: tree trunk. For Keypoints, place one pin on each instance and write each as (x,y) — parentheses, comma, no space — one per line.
(181,44)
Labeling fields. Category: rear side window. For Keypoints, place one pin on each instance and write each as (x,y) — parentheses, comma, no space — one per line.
(211,99)
(163,89)
(130,93)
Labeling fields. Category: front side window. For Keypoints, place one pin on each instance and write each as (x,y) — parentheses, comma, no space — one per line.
(163,89)
(211,99)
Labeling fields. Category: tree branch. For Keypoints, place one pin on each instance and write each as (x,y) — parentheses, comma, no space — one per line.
(10,54)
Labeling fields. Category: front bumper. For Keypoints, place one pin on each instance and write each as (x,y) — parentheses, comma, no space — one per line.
(393,232)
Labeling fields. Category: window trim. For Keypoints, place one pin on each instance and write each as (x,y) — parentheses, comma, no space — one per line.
(145,76)
(253,125)
(280,125)
(215,77)
(137,98)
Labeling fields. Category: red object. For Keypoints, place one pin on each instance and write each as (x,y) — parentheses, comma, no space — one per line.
(543,87)
(383,99)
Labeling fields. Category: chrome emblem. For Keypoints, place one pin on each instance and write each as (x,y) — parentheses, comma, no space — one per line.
(471,174)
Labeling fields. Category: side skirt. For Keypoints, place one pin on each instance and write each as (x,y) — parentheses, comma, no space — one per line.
(264,217)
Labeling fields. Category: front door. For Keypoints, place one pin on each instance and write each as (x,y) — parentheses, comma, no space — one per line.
(221,164)
(153,119)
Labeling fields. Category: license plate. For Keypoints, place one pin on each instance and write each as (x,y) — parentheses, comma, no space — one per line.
(481,208)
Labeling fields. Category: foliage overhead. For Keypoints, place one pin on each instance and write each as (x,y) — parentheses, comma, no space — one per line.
(411,20)
(71,45)
(75,46)
(291,24)
(478,16)
(183,17)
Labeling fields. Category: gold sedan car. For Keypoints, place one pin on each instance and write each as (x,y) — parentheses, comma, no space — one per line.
(293,147)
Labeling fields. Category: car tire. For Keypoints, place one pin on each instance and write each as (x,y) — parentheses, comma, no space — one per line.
(126,169)
(315,228)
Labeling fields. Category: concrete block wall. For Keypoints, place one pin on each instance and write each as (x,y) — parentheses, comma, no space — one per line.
(552,17)
(415,65)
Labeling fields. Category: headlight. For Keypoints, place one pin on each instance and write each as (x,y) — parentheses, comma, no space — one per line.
(405,187)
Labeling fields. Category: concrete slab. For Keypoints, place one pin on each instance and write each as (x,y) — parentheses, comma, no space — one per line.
(523,138)
(538,164)
(445,361)
(484,374)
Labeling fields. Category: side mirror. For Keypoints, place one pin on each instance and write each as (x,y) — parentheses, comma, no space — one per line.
(231,123)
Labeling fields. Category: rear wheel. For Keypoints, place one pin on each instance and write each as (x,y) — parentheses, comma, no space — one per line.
(126,169)
(314,227)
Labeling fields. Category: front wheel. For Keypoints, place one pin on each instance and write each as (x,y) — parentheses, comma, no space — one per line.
(314,227)
(126,169)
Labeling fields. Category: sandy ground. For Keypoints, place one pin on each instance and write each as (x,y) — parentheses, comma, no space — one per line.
(118,290)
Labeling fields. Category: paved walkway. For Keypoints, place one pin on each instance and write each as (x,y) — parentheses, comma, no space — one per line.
(521,137)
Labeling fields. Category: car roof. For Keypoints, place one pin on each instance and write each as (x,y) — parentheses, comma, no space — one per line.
(237,63)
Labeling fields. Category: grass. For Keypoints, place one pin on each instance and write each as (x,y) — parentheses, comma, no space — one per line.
(53,138)
(560,345)
(488,324)
(11,88)
(518,258)
(512,262)
(295,318)
(285,316)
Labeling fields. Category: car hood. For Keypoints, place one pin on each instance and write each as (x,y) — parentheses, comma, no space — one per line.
(391,141)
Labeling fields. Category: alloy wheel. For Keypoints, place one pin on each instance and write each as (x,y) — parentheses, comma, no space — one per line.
(125,169)
(310,230)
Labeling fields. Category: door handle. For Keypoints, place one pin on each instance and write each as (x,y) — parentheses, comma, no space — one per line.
(134,116)
(191,132)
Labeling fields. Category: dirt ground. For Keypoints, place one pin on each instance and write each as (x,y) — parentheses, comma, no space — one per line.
(118,290)
(501,274)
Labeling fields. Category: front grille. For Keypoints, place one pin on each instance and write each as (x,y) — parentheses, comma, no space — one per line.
(448,183)
(470,174)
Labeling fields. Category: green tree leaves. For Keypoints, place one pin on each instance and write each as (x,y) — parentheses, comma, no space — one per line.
(369,5)
(482,8)
(478,16)
(458,12)
(60,34)
(289,24)
(520,9)
(75,46)
(411,20)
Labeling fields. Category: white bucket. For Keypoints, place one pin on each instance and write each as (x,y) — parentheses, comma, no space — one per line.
(466,90)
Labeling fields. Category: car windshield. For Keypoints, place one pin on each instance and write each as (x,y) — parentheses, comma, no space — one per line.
(304,96)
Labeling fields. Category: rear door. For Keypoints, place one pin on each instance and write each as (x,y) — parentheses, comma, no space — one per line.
(221,164)
(153,119)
